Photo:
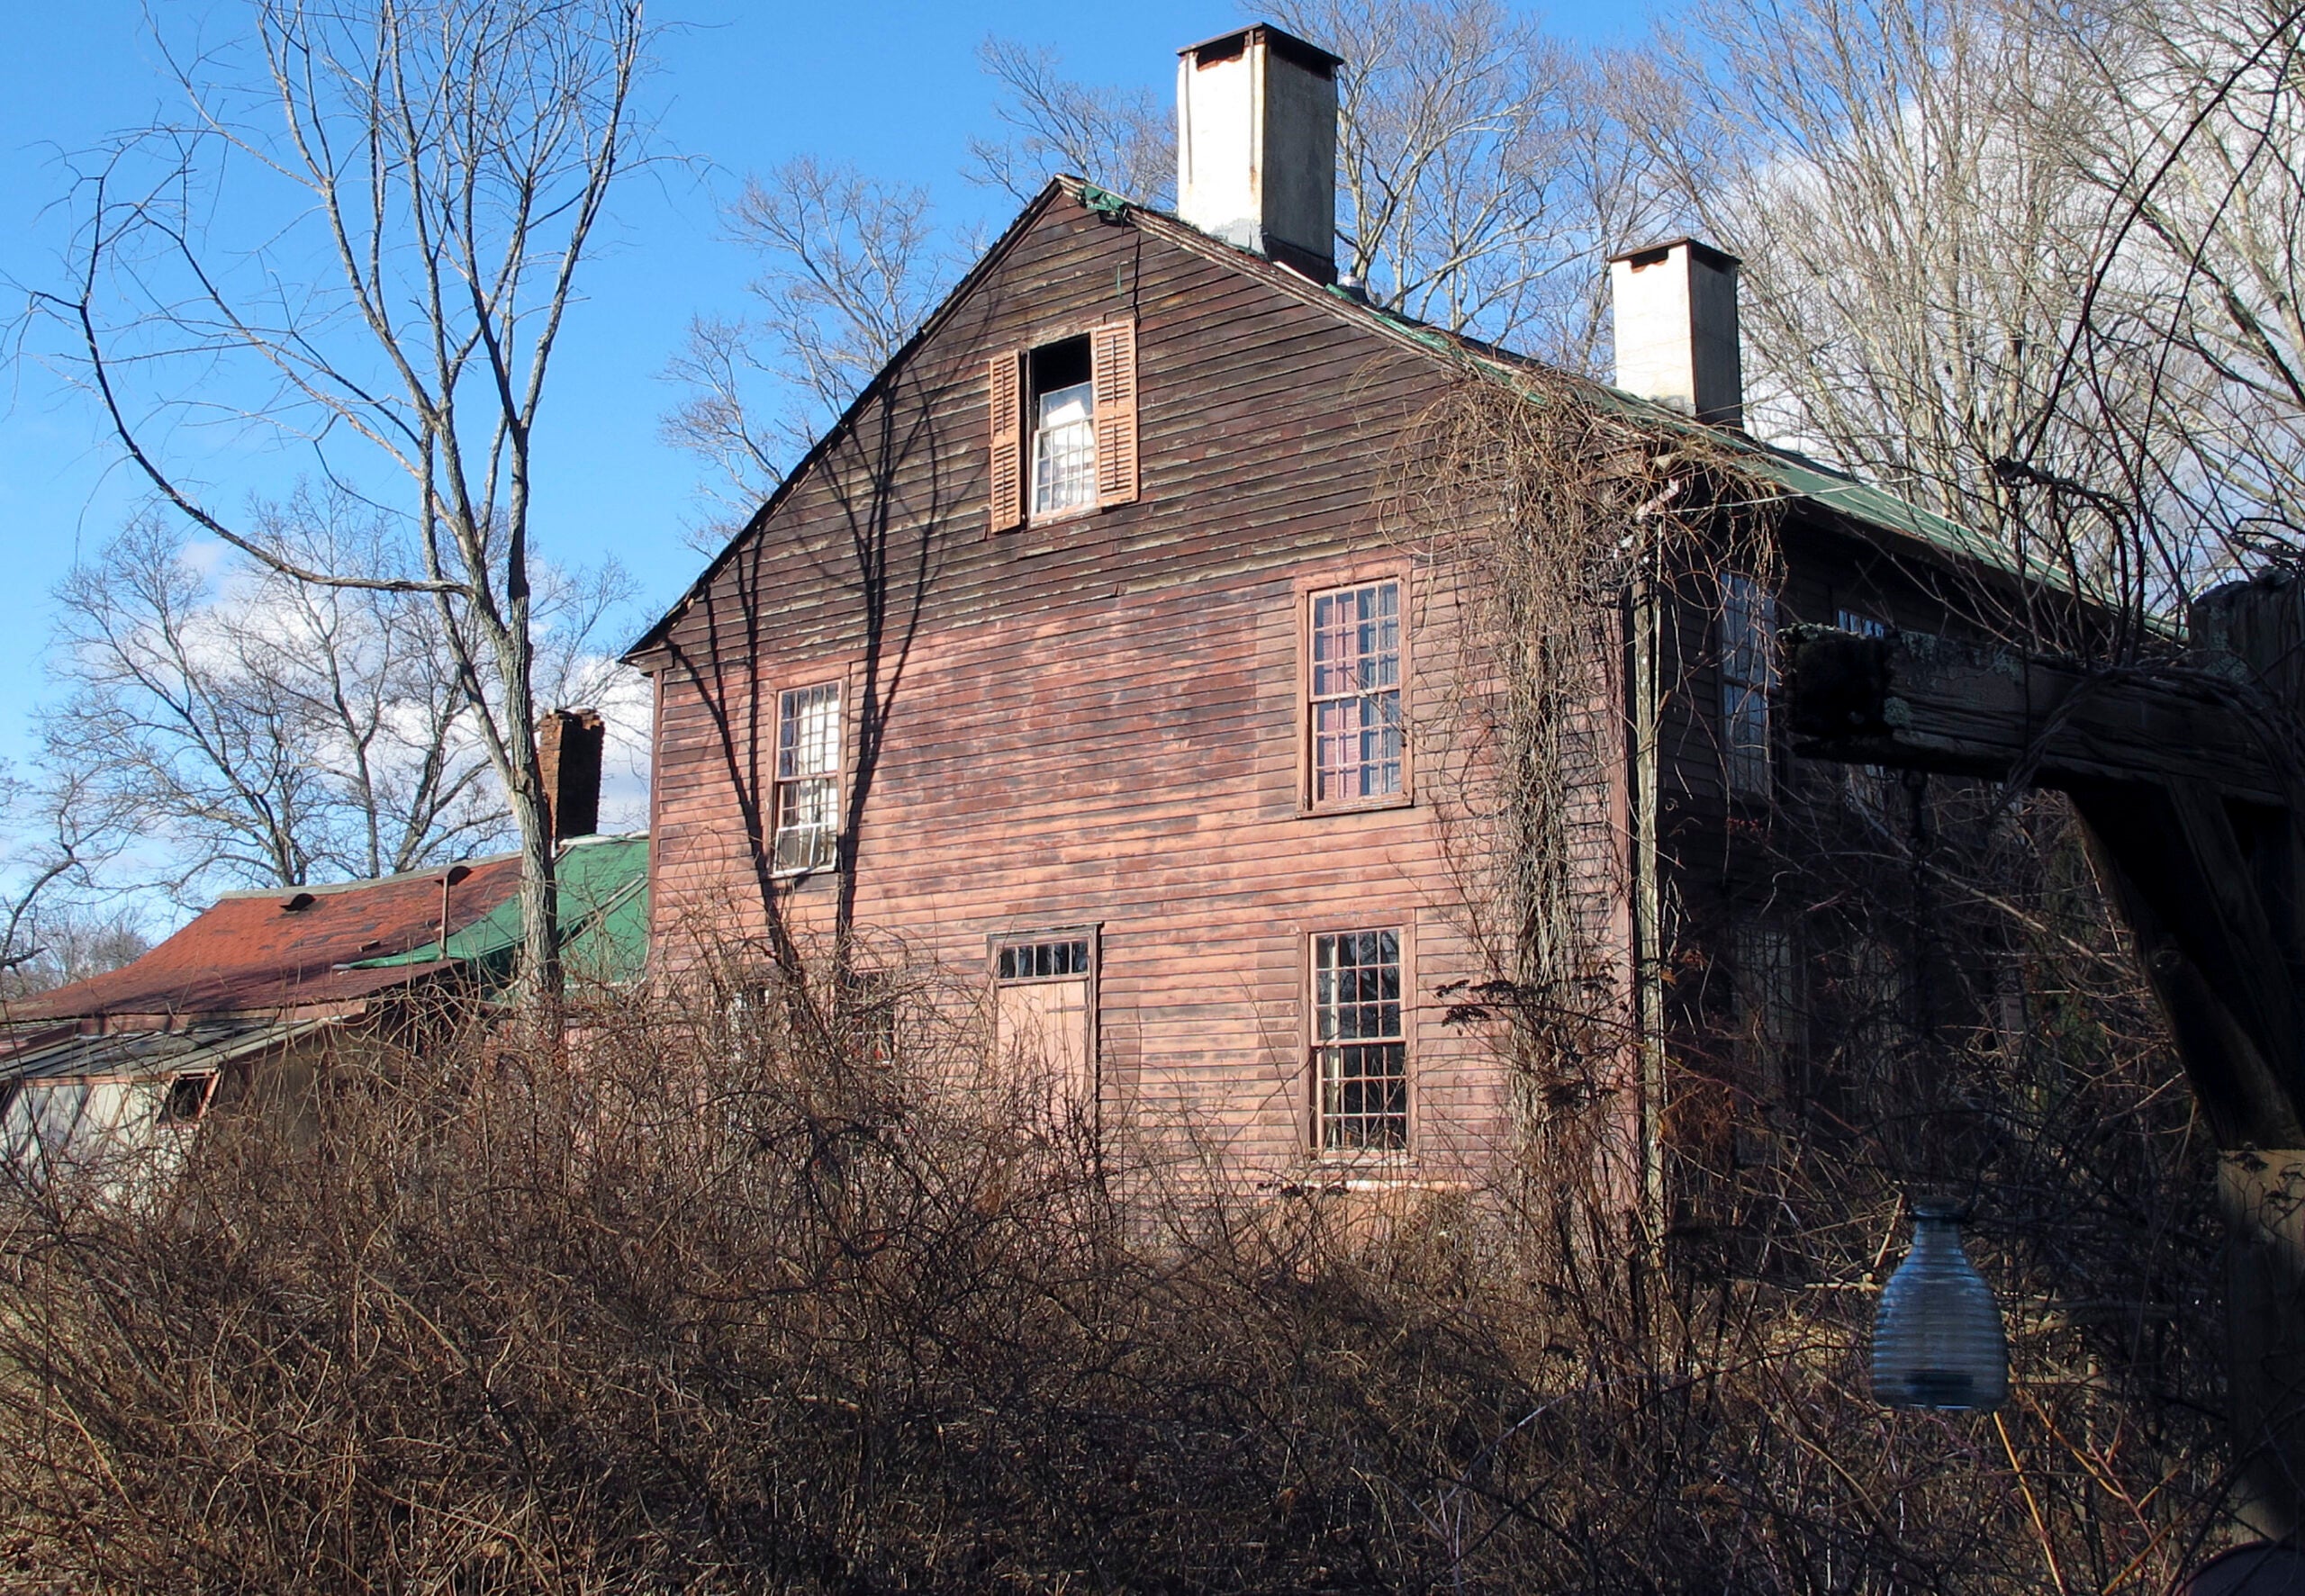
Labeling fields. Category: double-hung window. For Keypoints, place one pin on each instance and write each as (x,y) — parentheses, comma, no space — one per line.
(1359,1045)
(1355,694)
(1747,670)
(808,777)
(1064,429)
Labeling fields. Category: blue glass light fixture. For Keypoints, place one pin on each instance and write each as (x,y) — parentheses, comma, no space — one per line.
(1937,1339)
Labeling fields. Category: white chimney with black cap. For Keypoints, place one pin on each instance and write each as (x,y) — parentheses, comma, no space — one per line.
(1256,145)
(1675,311)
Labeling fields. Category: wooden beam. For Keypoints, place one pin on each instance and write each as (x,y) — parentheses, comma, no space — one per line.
(1921,702)
(2194,827)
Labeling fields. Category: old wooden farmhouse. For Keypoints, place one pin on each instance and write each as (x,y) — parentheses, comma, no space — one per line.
(1092,672)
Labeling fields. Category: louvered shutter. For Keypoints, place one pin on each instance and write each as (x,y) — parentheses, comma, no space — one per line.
(1112,364)
(1007,473)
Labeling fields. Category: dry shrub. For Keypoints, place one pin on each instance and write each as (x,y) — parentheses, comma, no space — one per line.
(783,1292)
(759,1305)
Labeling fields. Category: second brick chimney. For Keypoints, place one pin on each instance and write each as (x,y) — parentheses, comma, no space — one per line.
(569,746)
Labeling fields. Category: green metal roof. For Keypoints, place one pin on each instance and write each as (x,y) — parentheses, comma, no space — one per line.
(1799,476)
(603,887)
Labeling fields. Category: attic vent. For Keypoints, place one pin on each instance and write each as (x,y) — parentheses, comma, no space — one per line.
(299,903)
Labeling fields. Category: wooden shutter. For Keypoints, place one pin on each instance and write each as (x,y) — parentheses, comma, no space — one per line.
(1112,364)
(1007,473)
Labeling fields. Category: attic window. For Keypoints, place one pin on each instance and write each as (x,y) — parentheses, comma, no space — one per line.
(1064,429)
(299,904)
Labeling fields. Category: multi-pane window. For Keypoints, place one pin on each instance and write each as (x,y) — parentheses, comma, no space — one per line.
(1064,958)
(1064,430)
(1747,670)
(808,777)
(1770,1000)
(1360,1051)
(1356,693)
(1868,785)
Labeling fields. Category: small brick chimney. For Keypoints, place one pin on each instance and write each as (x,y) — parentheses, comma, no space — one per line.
(1676,338)
(1256,145)
(569,746)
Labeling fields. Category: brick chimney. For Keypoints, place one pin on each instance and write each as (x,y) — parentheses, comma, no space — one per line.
(1676,307)
(1256,145)
(569,746)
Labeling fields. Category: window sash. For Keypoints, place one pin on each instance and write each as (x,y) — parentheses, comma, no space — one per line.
(1064,449)
(1747,672)
(1354,693)
(1359,1041)
(1868,786)
(808,777)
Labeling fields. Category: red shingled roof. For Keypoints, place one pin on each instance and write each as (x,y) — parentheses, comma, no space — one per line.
(253,953)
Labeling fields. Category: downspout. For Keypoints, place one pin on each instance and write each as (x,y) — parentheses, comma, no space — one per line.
(1644,619)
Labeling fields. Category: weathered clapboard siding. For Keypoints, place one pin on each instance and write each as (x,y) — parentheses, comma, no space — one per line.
(1097,721)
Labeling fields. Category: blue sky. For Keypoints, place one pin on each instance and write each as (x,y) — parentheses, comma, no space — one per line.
(891,86)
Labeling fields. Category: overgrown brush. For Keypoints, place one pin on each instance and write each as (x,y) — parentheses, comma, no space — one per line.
(756,1304)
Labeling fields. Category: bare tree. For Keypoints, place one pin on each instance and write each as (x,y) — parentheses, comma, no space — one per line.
(54,926)
(1118,140)
(850,266)
(1476,187)
(1898,180)
(434,170)
(242,727)
(2186,361)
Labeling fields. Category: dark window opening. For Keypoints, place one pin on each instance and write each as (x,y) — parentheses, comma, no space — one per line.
(187,1099)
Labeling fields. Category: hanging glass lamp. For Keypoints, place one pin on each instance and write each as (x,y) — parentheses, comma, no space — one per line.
(1937,1339)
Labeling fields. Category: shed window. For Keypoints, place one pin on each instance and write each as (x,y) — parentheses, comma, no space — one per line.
(1748,672)
(1355,709)
(186,1099)
(1359,1048)
(808,777)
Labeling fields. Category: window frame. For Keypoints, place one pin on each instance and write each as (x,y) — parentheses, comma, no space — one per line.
(1738,780)
(1391,1158)
(1303,592)
(837,778)
(1116,423)
(1867,786)
(1032,430)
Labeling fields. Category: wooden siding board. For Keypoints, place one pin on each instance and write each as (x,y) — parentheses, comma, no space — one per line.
(1104,730)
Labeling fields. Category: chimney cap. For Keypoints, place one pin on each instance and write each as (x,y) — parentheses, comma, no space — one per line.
(1284,44)
(1705,254)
